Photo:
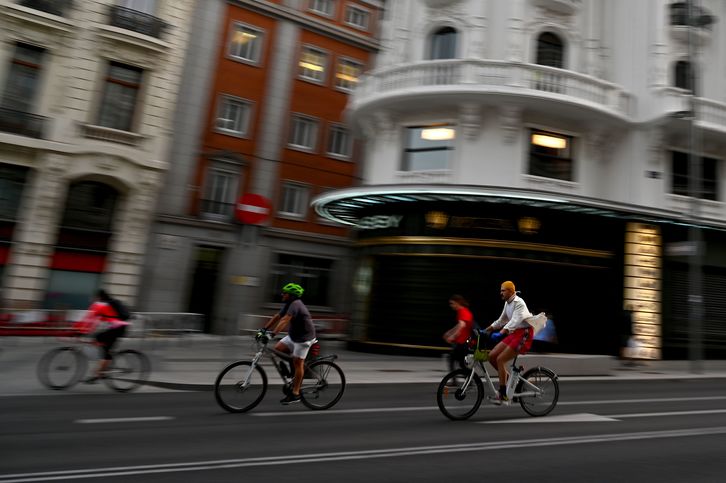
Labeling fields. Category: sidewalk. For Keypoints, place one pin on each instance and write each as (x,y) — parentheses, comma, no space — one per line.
(192,362)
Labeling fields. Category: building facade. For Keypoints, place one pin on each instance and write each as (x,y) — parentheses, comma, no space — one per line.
(261,112)
(546,142)
(88,91)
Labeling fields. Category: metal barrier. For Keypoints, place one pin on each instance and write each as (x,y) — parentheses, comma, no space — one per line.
(58,322)
(325,327)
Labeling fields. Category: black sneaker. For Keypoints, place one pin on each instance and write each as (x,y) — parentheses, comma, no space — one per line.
(290,399)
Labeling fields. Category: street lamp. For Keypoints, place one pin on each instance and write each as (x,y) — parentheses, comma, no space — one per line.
(695,19)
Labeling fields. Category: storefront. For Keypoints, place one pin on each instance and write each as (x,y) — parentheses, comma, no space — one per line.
(580,262)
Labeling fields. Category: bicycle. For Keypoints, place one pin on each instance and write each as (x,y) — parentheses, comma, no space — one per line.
(64,367)
(461,391)
(242,384)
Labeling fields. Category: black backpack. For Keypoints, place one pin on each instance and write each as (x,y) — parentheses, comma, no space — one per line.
(121,310)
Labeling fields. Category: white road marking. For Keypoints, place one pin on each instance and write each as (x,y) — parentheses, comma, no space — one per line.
(560,418)
(286,459)
(123,420)
(588,417)
(483,406)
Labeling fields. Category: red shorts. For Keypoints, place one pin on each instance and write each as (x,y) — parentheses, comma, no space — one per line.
(520,340)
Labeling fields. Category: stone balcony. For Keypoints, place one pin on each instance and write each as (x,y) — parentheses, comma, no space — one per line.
(436,84)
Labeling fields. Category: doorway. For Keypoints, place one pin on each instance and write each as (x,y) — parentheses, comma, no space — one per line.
(204,283)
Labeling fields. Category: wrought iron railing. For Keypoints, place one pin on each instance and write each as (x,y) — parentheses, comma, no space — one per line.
(139,22)
(55,7)
(22,123)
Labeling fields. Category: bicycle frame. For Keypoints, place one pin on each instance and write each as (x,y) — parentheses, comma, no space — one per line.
(512,383)
(277,358)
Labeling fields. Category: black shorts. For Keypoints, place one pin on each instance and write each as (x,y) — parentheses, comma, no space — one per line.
(108,339)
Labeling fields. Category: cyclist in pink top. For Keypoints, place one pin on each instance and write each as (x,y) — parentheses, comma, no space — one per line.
(101,312)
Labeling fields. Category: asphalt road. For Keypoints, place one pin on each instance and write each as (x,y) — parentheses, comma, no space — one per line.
(660,431)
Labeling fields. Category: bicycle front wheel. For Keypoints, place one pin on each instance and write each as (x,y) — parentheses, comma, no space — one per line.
(456,401)
(540,391)
(61,367)
(323,385)
(240,386)
(127,371)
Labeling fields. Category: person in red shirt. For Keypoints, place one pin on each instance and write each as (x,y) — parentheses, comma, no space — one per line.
(458,335)
(101,312)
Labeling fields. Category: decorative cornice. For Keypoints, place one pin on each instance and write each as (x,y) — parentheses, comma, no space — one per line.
(282,12)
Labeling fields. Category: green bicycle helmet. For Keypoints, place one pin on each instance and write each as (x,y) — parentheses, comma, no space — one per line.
(293,289)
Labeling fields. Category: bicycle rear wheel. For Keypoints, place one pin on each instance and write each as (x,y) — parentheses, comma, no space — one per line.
(543,389)
(456,402)
(240,387)
(127,371)
(61,367)
(323,385)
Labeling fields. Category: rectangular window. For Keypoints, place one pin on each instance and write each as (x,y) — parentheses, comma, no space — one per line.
(246,43)
(313,274)
(233,116)
(145,6)
(428,147)
(347,74)
(709,180)
(12,182)
(303,132)
(339,142)
(323,7)
(550,155)
(357,17)
(220,191)
(70,290)
(313,63)
(23,76)
(120,93)
(294,200)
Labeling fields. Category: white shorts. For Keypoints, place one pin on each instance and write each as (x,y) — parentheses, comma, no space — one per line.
(298,349)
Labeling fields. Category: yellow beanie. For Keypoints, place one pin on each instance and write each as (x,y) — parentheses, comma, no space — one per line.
(509,285)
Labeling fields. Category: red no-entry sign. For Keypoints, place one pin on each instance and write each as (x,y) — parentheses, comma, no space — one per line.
(252,209)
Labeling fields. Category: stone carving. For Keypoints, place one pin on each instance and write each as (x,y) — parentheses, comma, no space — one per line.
(655,145)
(510,120)
(470,121)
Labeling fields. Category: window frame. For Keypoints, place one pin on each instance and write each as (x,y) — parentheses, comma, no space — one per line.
(405,165)
(149,6)
(713,183)
(436,35)
(301,202)
(222,101)
(138,89)
(339,127)
(315,122)
(259,45)
(338,63)
(281,273)
(8,99)
(572,160)
(230,170)
(563,49)
(332,3)
(301,70)
(367,15)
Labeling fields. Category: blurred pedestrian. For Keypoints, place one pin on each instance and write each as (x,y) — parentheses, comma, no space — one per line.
(626,337)
(546,339)
(458,335)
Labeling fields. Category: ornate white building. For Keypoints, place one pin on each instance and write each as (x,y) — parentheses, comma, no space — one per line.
(547,142)
(89,89)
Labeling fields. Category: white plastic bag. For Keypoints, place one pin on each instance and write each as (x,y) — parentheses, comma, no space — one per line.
(538,322)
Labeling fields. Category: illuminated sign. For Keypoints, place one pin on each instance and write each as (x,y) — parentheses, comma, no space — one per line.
(379,221)
(642,286)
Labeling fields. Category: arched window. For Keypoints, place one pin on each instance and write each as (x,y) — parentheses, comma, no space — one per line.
(682,75)
(550,50)
(443,44)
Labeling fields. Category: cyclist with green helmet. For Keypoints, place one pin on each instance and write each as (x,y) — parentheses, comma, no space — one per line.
(300,335)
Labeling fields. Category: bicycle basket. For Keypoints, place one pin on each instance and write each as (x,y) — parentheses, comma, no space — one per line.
(481,353)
